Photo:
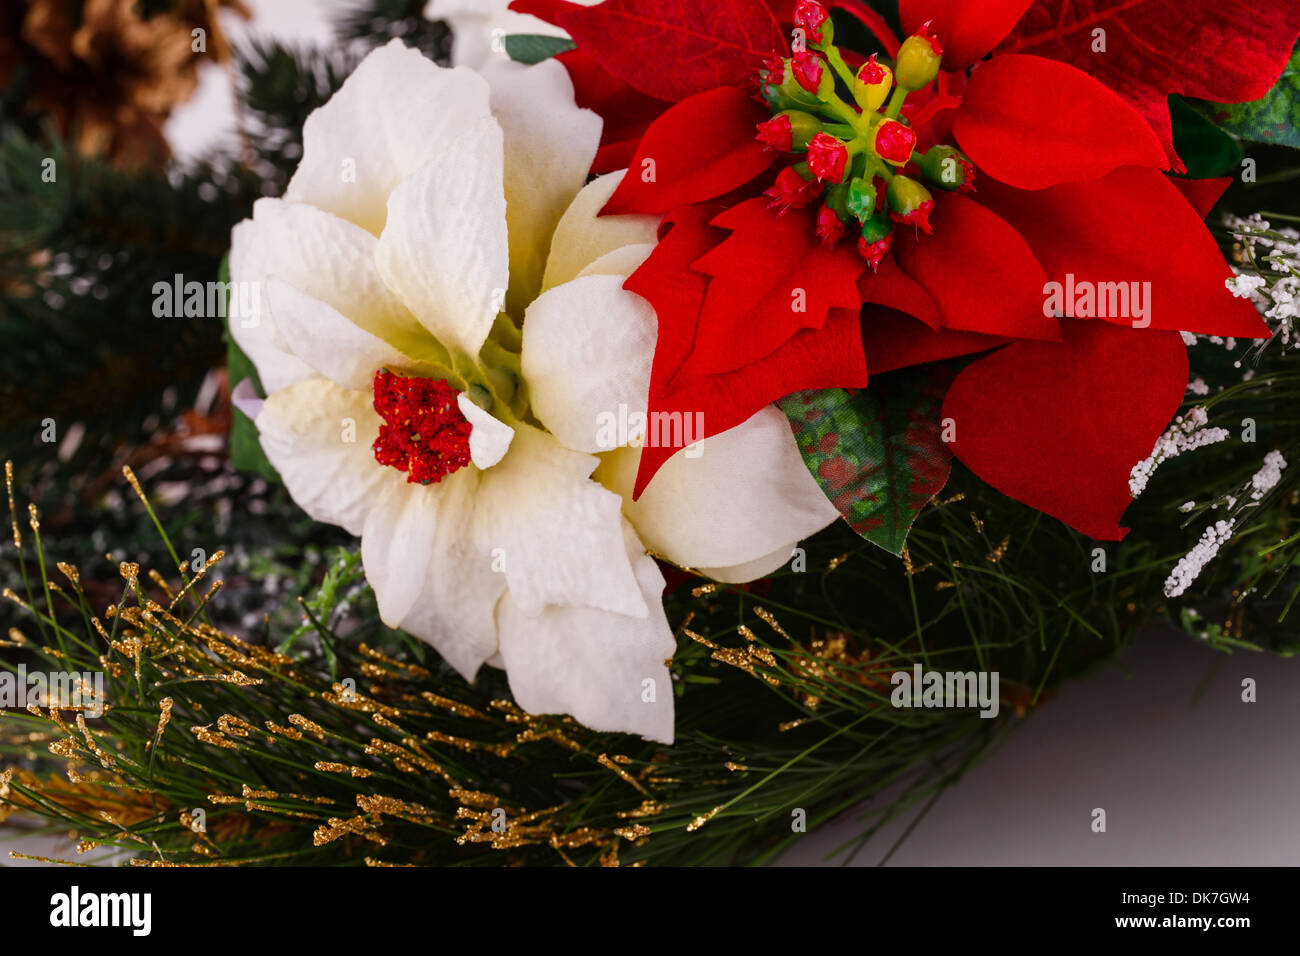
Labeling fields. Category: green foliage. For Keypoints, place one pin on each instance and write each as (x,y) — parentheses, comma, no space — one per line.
(375,22)
(1206,150)
(81,249)
(245,448)
(878,452)
(534,48)
(1273,119)
(279,87)
(782,699)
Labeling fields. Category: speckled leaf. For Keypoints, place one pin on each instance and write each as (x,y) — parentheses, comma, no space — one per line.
(1273,119)
(877,452)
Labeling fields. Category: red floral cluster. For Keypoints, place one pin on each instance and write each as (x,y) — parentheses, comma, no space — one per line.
(424,433)
(1074,153)
(861,156)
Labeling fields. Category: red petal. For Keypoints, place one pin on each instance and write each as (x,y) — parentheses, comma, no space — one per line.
(1131,226)
(702,148)
(1203,194)
(673,49)
(892,288)
(614,156)
(627,112)
(893,340)
(1060,426)
(548,10)
(967,28)
(667,282)
(1230,51)
(771,278)
(1034,123)
(812,358)
(979,271)
(829,357)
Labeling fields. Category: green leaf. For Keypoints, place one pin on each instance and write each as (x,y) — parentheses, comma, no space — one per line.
(245,449)
(1206,150)
(1273,119)
(877,452)
(533,48)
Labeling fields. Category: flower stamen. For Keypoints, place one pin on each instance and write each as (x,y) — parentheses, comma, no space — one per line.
(424,433)
(858,149)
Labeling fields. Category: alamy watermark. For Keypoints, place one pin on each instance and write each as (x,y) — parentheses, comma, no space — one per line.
(953,689)
(652,430)
(213,300)
(1098,300)
(74,908)
(65,690)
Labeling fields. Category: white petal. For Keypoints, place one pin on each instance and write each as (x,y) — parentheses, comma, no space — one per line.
(397,545)
(396,111)
(751,570)
(745,497)
(323,255)
(255,333)
(550,144)
(599,667)
(445,250)
(319,437)
(582,236)
(559,534)
(276,368)
(329,342)
(490,439)
(621,262)
(588,346)
(455,609)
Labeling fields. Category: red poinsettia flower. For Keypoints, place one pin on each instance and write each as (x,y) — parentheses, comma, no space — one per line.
(1017,205)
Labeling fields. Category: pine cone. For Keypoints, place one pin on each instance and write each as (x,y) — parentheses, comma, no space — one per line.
(107,74)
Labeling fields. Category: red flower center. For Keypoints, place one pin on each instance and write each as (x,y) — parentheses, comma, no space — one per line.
(860,155)
(424,433)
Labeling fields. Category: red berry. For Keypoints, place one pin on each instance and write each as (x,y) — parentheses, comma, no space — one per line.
(830,227)
(827,158)
(792,191)
(919,217)
(808,70)
(872,72)
(810,16)
(875,252)
(894,142)
(926,32)
(778,133)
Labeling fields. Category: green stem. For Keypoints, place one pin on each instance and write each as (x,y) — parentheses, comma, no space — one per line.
(896,102)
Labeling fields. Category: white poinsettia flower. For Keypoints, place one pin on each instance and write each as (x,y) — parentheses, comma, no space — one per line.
(443,325)
(479,27)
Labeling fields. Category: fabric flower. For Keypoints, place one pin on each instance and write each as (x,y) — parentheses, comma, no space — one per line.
(433,210)
(1044,204)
